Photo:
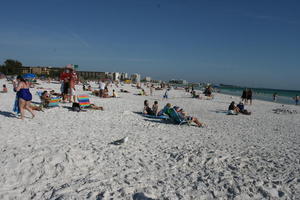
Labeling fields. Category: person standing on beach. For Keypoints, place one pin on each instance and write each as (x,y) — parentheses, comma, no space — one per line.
(65,86)
(296,98)
(24,95)
(151,90)
(72,90)
(249,96)
(101,87)
(244,96)
(275,96)
(166,96)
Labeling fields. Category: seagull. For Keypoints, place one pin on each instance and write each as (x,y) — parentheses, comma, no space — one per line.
(119,142)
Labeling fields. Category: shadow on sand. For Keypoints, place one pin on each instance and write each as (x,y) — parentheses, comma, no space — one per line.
(8,114)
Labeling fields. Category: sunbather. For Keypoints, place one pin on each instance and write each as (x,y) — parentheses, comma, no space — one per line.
(45,99)
(184,115)
(155,107)
(242,109)
(114,94)
(233,109)
(147,110)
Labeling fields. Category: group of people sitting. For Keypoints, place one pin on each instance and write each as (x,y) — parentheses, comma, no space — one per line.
(175,113)
(236,109)
(105,93)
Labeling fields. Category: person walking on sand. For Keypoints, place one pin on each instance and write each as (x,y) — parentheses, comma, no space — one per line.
(24,95)
(166,96)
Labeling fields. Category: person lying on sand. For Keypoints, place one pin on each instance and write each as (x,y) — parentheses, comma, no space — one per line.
(124,91)
(233,109)
(94,107)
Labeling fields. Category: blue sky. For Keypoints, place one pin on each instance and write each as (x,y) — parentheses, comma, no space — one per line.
(243,42)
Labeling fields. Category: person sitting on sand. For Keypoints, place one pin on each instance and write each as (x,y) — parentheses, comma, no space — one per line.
(105,92)
(4,90)
(242,109)
(165,109)
(45,99)
(89,88)
(194,95)
(147,110)
(233,109)
(155,107)
(143,93)
(184,116)
(53,93)
(114,94)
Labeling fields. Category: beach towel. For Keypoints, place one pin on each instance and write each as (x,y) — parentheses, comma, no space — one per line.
(84,101)
(16,108)
(54,101)
(156,117)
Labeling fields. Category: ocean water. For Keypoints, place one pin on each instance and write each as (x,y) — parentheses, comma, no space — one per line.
(283,96)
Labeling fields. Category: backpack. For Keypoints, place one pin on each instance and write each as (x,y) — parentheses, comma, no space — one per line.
(76,107)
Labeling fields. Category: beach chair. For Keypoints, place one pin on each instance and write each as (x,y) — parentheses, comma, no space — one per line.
(176,118)
(54,102)
(84,101)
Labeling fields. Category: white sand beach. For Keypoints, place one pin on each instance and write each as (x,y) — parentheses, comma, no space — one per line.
(61,154)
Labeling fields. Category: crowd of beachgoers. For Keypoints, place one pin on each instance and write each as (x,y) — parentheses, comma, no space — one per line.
(110,140)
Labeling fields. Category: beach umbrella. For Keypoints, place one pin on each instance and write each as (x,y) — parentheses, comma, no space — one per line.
(29,76)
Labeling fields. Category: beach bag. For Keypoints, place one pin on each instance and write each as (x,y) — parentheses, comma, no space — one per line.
(76,107)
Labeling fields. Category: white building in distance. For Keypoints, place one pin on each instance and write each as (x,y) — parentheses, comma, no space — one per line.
(124,76)
(147,78)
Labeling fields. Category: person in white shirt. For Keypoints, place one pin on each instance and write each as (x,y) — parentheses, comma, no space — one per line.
(101,87)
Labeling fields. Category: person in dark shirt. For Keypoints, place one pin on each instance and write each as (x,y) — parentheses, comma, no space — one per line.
(147,110)
(232,109)
(249,96)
